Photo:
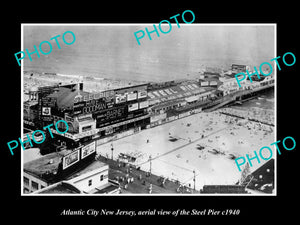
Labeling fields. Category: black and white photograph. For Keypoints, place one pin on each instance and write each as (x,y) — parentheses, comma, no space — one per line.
(149,113)
(129,109)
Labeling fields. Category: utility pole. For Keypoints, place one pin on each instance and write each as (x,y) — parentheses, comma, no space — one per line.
(194,179)
(112,151)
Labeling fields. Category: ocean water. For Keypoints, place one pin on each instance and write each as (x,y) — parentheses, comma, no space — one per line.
(112,51)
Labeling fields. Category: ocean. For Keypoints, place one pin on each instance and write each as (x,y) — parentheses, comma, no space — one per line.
(111,51)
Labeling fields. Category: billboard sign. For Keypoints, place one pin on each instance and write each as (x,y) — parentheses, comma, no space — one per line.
(92,106)
(142,94)
(131,96)
(88,149)
(204,83)
(46,111)
(213,82)
(144,104)
(94,96)
(120,98)
(71,159)
(132,107)
(111,115)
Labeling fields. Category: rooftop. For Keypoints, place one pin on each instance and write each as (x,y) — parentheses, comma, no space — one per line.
(60,188)
(65,96)
(45,164)
(107,188)
(178,91)
(94,165)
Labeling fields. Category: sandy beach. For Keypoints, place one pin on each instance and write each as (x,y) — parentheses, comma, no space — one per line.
(177,160)
(91,84)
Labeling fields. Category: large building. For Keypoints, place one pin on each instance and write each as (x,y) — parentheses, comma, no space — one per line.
(93,116)
(176,99)
(77,168)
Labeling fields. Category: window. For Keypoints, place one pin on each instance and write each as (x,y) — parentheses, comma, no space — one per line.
(26,181)
(90,182)
(101,177)
(34,185)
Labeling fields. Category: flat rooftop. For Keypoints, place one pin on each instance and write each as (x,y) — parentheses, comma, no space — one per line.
(60,188)
(45,164)
(94,165)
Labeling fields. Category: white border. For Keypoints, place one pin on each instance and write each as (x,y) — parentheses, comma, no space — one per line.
(150,24)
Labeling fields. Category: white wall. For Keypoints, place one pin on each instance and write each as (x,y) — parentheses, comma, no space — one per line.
(82,182)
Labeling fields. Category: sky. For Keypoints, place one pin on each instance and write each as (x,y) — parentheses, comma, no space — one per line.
(111,51)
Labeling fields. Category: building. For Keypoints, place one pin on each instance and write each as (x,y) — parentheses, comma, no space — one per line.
(76,167)
(210,82)
(94,116)
(54,167)
(238,68)
(93,179)
(173,100)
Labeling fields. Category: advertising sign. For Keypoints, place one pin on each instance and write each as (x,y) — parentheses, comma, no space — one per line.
(131,96)
(132,107)
(213,82)
(68,118)
(120,98)
(88,149)
(142,94)
(204,83)
(89,96)
(71,159)
(111,115)
(46,111)
(144,104)
(168,91)
(92,106)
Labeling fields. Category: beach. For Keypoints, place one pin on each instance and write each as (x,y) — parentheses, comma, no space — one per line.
(224,137)
(91,84)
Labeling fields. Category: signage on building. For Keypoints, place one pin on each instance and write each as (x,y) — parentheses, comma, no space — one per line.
(92,106)
(158,117)
(112,114)
(204,83)
(28,122)
(70,159)
(46,101)
(142,94)
(213,82)
(69,118)
(46,111)
(120,98)
(88,96)
(144,104)
(238,67)
(132,107)
(131,96)
(124,122)
(88,149)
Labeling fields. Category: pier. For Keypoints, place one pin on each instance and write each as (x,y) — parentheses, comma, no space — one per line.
(243,95)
